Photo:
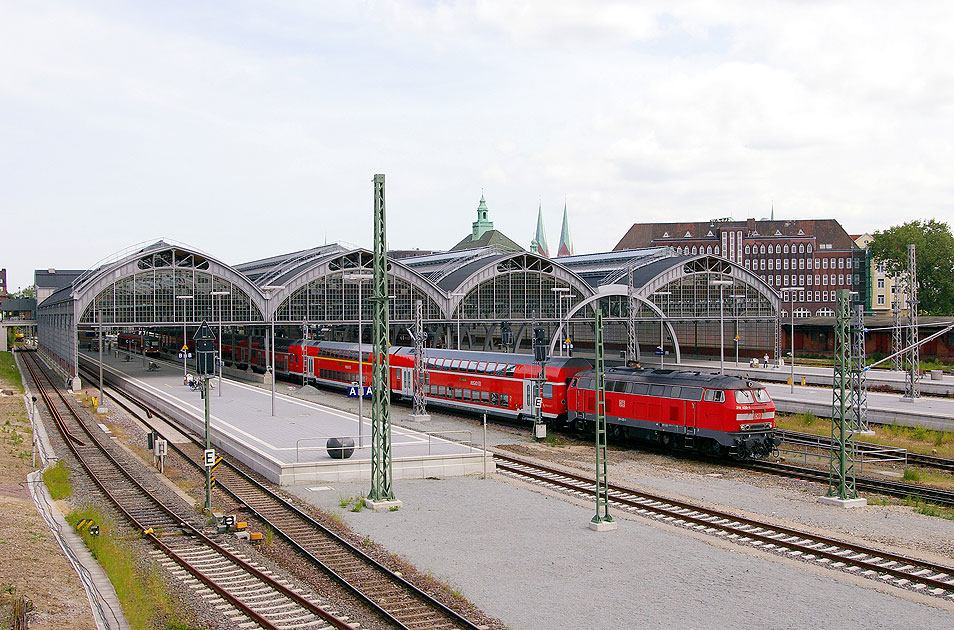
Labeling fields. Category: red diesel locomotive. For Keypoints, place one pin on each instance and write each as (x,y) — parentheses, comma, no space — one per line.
(711,413)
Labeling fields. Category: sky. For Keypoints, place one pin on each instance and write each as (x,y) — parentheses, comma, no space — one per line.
(248,129)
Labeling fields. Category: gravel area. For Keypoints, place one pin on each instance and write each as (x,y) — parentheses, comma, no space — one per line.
(528,558)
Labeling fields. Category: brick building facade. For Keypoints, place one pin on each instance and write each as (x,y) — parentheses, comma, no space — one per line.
(816,255)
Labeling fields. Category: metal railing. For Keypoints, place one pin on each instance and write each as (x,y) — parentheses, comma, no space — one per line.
(818,447)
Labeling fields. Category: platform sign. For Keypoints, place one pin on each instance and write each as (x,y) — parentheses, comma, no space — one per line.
(208,456)
(354,389)
(537,402)
(185,355)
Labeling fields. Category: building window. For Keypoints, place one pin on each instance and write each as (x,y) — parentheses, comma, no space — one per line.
(801,263)
(825,296)
(880,300)
(801,280)
(771,248)
(762,249)
(747,250)
(809,279)
(778,281)
(786,248)
(716,250)
(808,248)
(824,279)
(771,265)
(841,279)
(801,248)
(786,262)
(693,253)
(857,279)
(747,265)
(817,263)
(762,265)
(825,263)
(841,263)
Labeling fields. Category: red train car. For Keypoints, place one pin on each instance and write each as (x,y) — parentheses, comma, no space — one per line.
(712,413)
(493,382)
(140,343)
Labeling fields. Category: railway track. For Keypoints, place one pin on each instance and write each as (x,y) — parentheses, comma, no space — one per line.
(374,585)
(881,486)
(916,459)
(241,590)
(890,568)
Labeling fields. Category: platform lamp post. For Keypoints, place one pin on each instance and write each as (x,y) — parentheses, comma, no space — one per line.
(662,345)
(268,295)
(722,284)
(735,307)
(220,294)
(791,292)
(185,346)
(566,329)
(360,279)
(558,294)
(460,307)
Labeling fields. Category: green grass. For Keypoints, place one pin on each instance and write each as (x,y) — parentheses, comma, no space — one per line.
(9,372)
(355,503)
(57,480)
(144,595)
(553,440)
(930,509)
(912,475)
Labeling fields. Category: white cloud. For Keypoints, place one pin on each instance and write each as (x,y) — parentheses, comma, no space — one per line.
(253,130)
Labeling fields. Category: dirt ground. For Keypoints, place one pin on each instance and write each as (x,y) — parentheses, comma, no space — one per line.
(31,562)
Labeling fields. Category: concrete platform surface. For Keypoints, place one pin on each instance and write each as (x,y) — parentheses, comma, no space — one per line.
(289,447)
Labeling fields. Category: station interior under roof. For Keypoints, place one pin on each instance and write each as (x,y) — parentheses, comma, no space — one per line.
(471,295)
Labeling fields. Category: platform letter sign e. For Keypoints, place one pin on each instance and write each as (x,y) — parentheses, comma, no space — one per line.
(209,457)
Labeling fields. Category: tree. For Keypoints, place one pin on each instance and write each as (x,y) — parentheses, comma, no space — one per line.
(934,246)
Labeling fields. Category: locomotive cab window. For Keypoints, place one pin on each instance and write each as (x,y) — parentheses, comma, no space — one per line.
(744,397)
(762,396)
(715,395)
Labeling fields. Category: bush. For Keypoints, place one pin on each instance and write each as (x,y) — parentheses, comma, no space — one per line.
(912,475)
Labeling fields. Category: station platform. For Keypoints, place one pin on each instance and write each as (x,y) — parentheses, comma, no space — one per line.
(289,447)
(936,385)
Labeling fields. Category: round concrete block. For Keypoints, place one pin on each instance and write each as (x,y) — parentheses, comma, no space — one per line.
(340,448)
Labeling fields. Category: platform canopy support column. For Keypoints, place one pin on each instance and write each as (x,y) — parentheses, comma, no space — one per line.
(841,465)
(603,520)
(381,495)
(632,353)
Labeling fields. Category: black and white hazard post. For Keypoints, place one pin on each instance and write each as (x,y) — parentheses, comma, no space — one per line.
(205,366)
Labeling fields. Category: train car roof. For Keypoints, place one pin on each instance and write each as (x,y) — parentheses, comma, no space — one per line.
(676,377)
(497,357)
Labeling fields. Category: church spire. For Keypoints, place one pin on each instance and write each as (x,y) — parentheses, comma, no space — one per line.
(482,224)
(539,243)
(566,241)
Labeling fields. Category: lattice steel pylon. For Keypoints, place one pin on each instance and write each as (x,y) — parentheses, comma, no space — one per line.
(859,372)
(602,520)
(632,353)
(841,465)
(420,364)
(912,375)
(381,490)
(897,331)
